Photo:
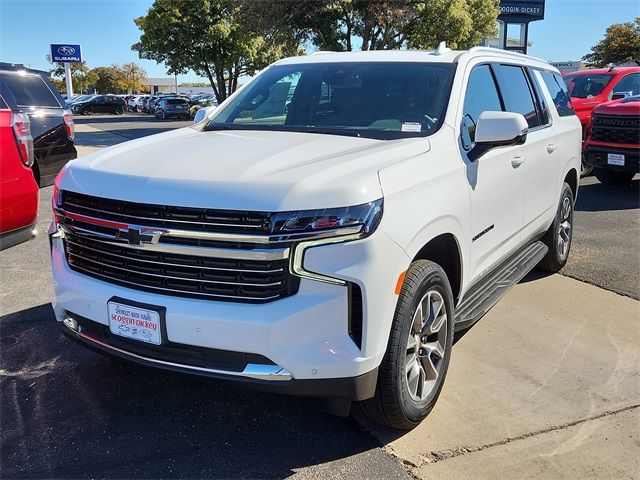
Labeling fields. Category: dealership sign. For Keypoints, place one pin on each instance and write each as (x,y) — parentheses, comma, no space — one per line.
(533,9)
(64,52)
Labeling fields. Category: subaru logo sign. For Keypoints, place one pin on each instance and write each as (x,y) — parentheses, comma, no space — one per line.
(66,53)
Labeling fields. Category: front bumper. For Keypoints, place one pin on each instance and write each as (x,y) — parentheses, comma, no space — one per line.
(305,336)
(597,156)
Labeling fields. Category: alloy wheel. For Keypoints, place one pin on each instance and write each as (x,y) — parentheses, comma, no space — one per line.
(426,345)
(564,229)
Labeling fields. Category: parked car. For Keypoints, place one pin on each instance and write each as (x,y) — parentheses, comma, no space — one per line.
(172,107)
(18,188)
(327,246)
(51,124)
(590,88)
(100,104)
(613,146)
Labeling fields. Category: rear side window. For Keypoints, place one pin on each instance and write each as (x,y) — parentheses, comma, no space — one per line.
(481,96)
(29,90)
(517,94)
(630,85)
(176,101)
(559,93)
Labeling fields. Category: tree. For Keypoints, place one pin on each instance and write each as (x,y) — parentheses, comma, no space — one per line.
(133,76)
(108,79)
(379,24)
(81,76)
(621,44)
(209,37)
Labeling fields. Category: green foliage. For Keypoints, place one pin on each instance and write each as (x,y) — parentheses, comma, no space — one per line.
(621,44)
(379,24)
(208,37)
(81,75)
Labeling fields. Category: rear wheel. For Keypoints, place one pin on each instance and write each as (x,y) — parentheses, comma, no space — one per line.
(119,110)
(87,111)
(558,237)
(613,177)
(414,367)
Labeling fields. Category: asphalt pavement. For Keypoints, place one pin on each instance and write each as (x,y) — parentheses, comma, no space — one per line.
(547,385)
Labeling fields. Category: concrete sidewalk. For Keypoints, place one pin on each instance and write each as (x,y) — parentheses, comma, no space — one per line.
(546,385)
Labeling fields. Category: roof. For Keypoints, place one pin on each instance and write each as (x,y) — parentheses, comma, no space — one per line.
(18,67)
(447,56)
(614,70)
(160,81)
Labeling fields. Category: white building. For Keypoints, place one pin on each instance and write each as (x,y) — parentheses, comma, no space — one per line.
(161,85)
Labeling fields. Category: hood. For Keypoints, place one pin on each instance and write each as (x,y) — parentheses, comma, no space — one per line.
(241,170)
(626,106)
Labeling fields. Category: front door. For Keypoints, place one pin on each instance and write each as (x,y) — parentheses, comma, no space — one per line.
(495,181)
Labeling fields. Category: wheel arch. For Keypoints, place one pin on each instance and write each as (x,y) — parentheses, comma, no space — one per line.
(572,179)
(444,249)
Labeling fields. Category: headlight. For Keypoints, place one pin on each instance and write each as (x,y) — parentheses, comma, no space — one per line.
(360,220)
(313,228)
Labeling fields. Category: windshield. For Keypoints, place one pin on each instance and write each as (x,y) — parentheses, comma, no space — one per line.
(382,100)
(587,86)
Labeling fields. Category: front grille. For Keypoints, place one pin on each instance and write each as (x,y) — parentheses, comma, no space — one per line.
(180,275)
(187,266)
(615,129)
(188,218)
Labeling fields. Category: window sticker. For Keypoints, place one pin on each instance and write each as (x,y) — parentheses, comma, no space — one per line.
(411,127)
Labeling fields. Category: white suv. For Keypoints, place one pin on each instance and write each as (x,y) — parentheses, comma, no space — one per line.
(326,230)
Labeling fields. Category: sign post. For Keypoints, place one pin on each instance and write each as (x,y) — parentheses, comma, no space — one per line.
(67,54)
(514,18)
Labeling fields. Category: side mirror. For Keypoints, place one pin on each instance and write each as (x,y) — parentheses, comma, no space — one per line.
(202,113)
(619,95)
(498,129)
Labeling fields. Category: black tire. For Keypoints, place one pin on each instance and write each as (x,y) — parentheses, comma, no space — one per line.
(119,111)
(613,177)
(393,404)
(585,168)
(87,111)
(558,254)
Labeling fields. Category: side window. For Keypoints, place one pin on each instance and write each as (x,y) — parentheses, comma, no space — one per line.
(481,96)
(543,108)
(629,85)
(517,93)
(559,93)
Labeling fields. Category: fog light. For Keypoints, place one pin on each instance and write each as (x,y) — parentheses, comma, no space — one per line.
(71,323)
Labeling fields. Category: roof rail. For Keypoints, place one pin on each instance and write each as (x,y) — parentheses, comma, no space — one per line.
(499,51)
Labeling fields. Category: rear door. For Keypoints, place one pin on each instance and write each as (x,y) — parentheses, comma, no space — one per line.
(539,156)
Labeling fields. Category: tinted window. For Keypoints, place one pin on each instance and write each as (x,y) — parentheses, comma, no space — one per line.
(379,99)
(543,109)
(176,101)
(630,83)
(559,93)
(585,86)
(516,93)
(30,90)
(481,96)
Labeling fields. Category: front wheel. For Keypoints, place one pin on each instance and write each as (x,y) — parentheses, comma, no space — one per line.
(415,364)
(613,177)
(558,237)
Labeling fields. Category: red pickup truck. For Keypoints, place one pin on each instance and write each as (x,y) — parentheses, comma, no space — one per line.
(590,88)
(613,145)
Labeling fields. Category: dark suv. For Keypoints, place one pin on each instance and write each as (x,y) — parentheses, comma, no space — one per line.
(30,92)
(101,104)
(172,107)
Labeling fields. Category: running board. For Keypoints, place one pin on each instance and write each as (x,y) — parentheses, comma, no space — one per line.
(483,296)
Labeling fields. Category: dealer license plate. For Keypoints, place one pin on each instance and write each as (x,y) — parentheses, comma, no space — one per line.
(136,323)
(615,159)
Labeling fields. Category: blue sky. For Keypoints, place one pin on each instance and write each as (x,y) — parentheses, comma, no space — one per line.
(106,31)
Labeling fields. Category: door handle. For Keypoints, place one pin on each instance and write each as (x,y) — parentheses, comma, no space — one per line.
(552,147)
(517,161)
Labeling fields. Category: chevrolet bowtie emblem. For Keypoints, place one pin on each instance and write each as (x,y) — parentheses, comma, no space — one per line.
(140,235)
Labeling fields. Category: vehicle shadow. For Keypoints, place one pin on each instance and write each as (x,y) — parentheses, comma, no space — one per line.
(597,197)
(70,413)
